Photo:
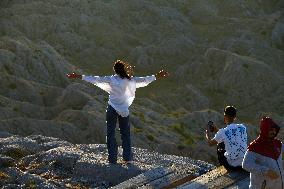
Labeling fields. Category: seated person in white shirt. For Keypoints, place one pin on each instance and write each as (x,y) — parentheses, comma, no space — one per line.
(231,141)
(121,88)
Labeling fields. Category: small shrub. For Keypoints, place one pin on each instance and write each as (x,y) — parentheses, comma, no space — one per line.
(151,137)
(263,32)
(36,166)
(189,140)
(140,115)
(49,175)
(179,128)
(16,153)
(8,70)
(246,66)
(15,109)
(21,165)
(175,114)
(71,186)
(137,130)
(200,137)
(7,164)
(31,185)
(41,93)
(180,146)
(4,176)
(12,86)
(213,158)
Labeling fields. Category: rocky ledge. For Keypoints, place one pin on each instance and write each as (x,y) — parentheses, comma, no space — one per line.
(45,162)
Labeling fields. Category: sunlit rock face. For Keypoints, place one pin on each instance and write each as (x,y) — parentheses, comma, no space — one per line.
(218,53)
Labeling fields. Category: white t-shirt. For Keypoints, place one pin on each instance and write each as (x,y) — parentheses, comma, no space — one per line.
(235,138)
(121,91)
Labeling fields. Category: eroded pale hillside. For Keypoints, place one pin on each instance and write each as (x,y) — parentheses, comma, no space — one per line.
(218,53)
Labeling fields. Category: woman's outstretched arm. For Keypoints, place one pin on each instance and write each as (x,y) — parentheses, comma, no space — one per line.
(144,81)
(102,82)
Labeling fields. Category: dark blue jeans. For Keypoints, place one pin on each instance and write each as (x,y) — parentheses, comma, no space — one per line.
(111,118)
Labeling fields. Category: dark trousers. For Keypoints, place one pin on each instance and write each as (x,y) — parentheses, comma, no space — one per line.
(223,160)
(111,118)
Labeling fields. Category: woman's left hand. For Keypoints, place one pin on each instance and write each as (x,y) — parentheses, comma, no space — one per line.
(74,75)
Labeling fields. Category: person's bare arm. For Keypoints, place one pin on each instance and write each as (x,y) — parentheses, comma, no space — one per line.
(211,142)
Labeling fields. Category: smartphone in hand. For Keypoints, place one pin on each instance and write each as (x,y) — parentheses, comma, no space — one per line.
(210,126)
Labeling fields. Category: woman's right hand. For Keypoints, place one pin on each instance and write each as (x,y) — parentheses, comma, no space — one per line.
(73,76)
(162,74)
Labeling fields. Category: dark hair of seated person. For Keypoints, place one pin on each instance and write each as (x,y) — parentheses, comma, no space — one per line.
(230,111)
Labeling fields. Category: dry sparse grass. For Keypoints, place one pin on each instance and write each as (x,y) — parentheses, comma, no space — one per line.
(31,185)
(71,186)
(187,137)
(137,130)
(35,166)
(49,175)
(21,165)
(150,137)
(4,176)
(16,153)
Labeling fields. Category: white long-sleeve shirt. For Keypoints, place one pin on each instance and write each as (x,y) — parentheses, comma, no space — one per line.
(121,91)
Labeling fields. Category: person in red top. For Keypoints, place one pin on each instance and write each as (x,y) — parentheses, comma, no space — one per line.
(263,158)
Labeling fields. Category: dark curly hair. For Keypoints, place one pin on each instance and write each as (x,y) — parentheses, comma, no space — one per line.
(120,69)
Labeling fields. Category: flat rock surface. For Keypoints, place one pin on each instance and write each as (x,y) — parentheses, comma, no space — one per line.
(48,162)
